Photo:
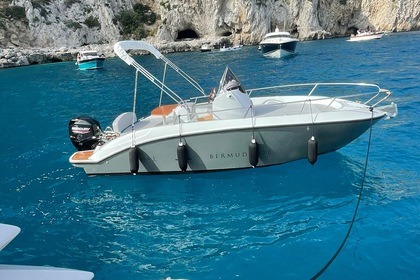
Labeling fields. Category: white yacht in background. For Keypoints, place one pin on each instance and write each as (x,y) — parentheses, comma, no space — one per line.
(278,44)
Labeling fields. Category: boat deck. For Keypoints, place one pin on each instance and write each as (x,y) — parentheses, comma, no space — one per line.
(262,108)
(81,155)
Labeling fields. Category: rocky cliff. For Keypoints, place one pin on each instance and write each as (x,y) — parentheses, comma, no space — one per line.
(76,23)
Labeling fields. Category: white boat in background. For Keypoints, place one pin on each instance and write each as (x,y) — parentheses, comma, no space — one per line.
(278,44)
(205,48)
(365,36)
(229,128)
(89,60)
(27,272)
(228,49)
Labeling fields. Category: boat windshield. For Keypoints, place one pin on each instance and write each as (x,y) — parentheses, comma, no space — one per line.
(229,82)
(278,35)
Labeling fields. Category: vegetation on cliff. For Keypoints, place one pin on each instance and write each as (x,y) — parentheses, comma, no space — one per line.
(133,21)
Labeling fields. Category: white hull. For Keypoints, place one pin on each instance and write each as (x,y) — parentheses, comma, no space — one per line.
(29,272)
(281,134)
(279,53)
(229,49)
(365,37)
(210,152)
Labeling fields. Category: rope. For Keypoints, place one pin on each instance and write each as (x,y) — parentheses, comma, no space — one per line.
(312,118)
(252,122)
(133,142)
(355,210)
(179,128)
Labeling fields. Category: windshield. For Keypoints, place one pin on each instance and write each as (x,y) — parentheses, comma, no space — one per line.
(229,82)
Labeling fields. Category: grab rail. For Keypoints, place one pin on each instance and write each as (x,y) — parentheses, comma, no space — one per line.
(313,87)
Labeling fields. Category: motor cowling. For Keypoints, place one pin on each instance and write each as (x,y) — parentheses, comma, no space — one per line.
(84,133)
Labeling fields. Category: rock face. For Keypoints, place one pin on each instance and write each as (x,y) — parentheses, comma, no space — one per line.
(76,23)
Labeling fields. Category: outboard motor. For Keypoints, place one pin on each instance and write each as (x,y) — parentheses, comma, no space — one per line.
(84,133)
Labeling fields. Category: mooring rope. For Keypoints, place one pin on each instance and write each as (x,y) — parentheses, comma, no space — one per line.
(133,138)
(252,121)
(355,210)
(312,118)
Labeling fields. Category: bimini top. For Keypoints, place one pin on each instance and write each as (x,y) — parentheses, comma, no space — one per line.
(122,47)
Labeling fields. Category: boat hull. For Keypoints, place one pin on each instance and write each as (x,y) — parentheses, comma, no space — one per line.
(273,50)
(365,37)
(91,64)
(225,150)
(229,49)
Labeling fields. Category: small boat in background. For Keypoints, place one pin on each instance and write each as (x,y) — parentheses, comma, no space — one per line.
(205,48)
(89,60)
(278,44)
(28,272)
(228,49)
(365,36)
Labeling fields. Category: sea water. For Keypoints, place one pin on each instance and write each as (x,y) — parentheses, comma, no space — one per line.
(279,222)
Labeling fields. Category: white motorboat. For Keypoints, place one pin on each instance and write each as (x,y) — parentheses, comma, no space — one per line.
(28,272)
(278,44)
(233,48)
(229,128)
(365,36)
(205,48)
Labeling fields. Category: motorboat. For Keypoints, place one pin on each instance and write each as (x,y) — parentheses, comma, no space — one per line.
(205,48)
(278,44)
(365,36)
(228,128)
(89,60)
(28,272)
(228,49)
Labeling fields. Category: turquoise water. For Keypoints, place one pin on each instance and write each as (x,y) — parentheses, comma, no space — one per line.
(280,222)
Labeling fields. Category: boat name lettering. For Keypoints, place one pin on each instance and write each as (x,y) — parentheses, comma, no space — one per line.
(237,154)
(228,155)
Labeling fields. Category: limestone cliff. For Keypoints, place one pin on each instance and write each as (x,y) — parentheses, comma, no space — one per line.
(74,23)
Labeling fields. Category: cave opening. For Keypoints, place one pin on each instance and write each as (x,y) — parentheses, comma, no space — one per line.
(187,34)
(226,34)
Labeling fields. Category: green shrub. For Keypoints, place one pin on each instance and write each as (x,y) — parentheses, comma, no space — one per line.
(74,25)
(15,12)
(129,21)
(92,22)
(69,3)
(146,14)
(132,22)
(39,3)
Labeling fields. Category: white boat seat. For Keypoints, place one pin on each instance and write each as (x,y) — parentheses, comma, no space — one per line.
(123,121)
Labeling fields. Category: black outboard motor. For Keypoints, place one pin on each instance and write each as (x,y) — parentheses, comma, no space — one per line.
(84,133)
